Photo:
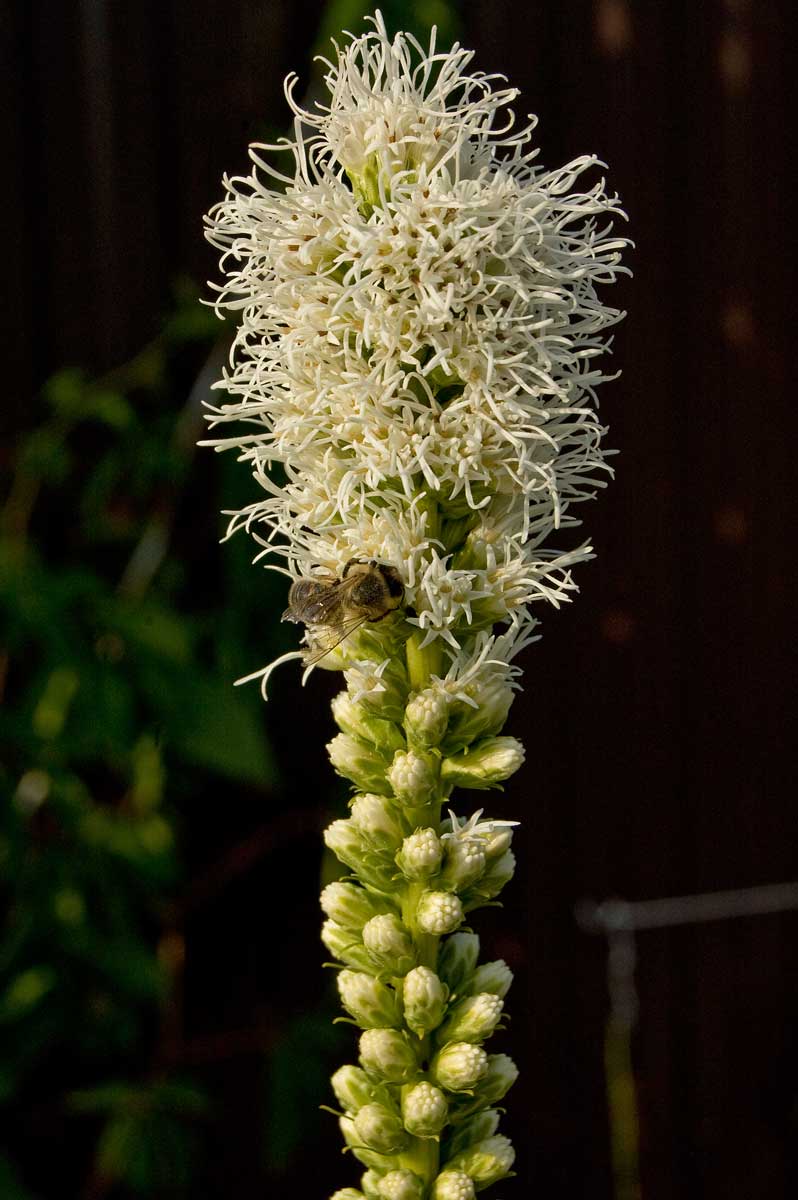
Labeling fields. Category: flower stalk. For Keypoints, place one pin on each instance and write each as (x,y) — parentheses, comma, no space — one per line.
(415,368)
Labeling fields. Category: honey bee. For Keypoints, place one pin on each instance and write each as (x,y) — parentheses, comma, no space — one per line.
(365,592)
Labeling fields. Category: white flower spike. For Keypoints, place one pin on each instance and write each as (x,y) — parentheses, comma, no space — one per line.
(419,320)
(413,383)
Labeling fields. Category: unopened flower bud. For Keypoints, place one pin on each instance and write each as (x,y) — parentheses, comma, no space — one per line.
(353,848)
(359,722)
(413,777)
(475,1129)
(473,1019)
(389,943)
(425,1000)
(486,1162)
(424,1110)
(459,1066)
(352,906)
(400,1185)
(346,945)
(363,1153)
(485,765)
(389,1055)
(347,1194)
(426,718)
(497,874)
(374,1005)
(346,842)
(376,819)
(453,1185)
(439,912)
(458,958)
(493,977)
(463,862)
(359,762)
(353,1089)
(492,698)
(499,1078)
(380,1129)
(498,841)
(420,856)
(369,1184)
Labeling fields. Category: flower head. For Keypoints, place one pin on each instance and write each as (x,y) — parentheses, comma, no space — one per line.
(420,326)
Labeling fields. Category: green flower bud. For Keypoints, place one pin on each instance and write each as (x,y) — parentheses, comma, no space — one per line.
(374,1005)
(459,1066)
(355,760)
(347,1194)
(346,842)
(346,945)
(376,820)
(497,874)
(352,906)
(487,764)
(425,1000)
(413,777)
(389,943)
(473,1019)
(426,718)
(463,862)
(375,643)
(351,847)
(400,1185)
(458,958)
(358,722)
(363,1153)
(389,1054)
(439,912)
(493,977)
(380,1129)
(499,1078)
(453,1185)
(482,1125)
(492,697)
(424,1110)
(498,842)
(486,1162)
(420,856)
(370,1183)
(353,1089)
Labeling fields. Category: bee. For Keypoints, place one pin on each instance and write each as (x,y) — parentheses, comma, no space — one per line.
(365,592)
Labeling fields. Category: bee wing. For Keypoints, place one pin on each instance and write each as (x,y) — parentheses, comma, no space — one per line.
(318,610)
(342,632)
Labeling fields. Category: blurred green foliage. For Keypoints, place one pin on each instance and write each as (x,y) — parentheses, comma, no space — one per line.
(116,663)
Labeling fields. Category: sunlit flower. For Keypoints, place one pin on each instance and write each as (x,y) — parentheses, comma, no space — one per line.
(413,381)
(416,362)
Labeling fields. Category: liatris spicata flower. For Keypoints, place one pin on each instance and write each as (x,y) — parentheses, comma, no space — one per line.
(413,382)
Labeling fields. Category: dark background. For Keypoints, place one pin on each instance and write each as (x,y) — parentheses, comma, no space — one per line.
(655,710)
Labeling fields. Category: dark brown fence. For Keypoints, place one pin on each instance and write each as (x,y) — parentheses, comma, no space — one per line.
(657,707)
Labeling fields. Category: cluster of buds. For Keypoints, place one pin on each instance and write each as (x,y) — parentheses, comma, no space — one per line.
(418,1111)
(415,368)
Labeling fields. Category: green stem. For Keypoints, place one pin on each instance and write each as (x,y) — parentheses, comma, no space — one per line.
(422,664)
(423,1158)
